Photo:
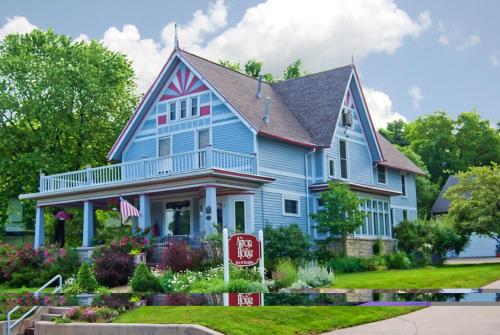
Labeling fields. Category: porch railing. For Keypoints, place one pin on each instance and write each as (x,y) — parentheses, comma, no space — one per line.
(149,168)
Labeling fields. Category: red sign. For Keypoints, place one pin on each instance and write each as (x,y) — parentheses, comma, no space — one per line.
(244,299)
(244,249)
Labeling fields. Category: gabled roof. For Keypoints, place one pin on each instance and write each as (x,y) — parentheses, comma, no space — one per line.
(442,205)
(315,100)
(303,111)
(240,91)
(395,158)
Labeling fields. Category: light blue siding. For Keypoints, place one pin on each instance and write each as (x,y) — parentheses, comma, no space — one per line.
(234,137)
(281,156)
(140,149)
(268,210)
(183,142)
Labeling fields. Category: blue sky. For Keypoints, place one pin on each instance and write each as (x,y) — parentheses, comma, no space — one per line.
(414,57)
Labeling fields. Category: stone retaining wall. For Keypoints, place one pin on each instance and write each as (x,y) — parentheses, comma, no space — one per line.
(50,328)
(361,247)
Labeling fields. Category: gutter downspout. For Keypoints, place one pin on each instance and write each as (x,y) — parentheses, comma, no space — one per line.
(307,189)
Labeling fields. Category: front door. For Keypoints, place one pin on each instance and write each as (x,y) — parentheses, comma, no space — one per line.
(178,218)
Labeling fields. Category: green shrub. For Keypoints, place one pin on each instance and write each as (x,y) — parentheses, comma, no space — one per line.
(398,261)
(314,275)
(347,264)
(239,286)
(85,279)
(375,263)
(285,274)
(285,242)
(378,247)
(144,281)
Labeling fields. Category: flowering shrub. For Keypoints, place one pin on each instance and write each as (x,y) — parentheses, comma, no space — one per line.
(25,266)
(211,280)
(113,267)
(88,314)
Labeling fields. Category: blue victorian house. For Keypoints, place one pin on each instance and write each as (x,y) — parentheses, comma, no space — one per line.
(208,145)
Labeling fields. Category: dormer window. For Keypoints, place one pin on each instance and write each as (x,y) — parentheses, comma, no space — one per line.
(173,111)
(346,117)
(183,109)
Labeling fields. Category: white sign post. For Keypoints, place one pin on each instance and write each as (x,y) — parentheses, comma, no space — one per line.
(242,255)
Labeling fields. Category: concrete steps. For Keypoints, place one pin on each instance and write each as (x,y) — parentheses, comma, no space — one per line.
(53,313)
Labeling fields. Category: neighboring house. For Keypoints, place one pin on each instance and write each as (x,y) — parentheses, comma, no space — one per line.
(479,246)
(15,230)
(210,145)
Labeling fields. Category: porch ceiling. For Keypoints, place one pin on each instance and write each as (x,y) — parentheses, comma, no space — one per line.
(223,179)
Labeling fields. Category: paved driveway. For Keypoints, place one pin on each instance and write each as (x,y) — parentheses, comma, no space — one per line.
(436,320)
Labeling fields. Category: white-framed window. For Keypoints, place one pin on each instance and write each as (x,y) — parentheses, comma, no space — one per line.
(343,159)
(172,108)
(377,218)
(164,146)
(331,167)
(403,185)
(183,108)
(405,215)
(194,106)
(291,205)
(381,174)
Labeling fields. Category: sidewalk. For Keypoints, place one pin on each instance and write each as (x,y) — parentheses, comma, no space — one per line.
(472,260)
(442,320)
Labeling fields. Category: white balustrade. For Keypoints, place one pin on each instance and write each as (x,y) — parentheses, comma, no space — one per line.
(149,168)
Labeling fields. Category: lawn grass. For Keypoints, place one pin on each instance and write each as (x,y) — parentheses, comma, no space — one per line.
(448,276)
(264,320)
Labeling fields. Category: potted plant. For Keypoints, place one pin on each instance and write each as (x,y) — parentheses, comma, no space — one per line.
(84,286)
(139,256)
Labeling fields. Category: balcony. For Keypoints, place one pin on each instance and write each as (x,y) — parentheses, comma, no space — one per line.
(179,164)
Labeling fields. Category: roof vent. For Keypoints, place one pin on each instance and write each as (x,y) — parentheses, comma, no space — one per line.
(266,110)
(259,88)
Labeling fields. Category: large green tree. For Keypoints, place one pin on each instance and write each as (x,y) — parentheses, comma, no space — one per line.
(340,215)
(62,105)
(396,132)
(475,201)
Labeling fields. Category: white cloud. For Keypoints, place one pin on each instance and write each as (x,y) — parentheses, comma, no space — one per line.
(82,38)
(471,41)
(443,39)
(380,106)
(324,34)
(416,96)
(494,60)
(16,24)
(148,56)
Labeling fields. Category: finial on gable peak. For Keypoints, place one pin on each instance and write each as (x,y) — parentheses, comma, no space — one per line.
(352,59)
(176,39)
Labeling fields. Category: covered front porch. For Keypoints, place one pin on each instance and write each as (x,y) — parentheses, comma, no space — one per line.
(188,206)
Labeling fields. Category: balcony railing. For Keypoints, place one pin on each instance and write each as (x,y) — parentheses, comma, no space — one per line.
(149,168)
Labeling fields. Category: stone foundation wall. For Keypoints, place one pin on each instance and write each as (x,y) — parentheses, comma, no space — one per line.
(361,247)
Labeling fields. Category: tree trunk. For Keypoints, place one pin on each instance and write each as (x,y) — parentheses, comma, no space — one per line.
(344,245)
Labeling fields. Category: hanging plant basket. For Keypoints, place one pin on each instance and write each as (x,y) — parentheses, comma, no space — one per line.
(63,215)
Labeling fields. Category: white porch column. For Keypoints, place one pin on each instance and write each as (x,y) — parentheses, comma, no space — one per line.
(88,223)
(210,209)
(145,208)
(39,227)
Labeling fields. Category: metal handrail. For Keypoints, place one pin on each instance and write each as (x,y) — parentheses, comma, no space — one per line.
(32,309)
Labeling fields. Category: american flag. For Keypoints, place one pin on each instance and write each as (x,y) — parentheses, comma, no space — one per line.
(127,210)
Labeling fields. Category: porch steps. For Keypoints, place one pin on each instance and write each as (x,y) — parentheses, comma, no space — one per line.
(53,313)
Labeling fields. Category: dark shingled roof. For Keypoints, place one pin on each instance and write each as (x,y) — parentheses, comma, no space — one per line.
(302,110)
(441,205)
(395,158)
(316,99)
(240,91)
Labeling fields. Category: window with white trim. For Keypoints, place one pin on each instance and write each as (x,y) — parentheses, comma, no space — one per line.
(377,218)
(183,108)
(290,205)
(172,107)
(343,159)
(381,174)
(331,167)
(194,106)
